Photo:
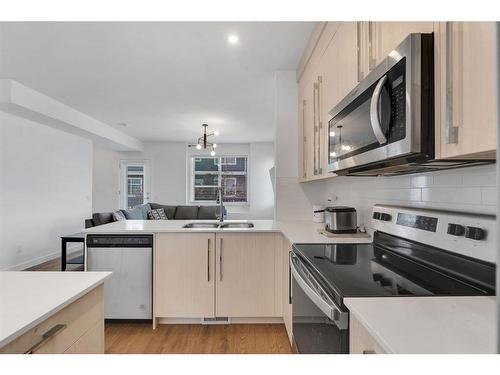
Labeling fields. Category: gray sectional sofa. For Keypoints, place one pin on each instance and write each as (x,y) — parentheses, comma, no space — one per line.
(141,213)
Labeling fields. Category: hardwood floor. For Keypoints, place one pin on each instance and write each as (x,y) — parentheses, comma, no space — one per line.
(140,338)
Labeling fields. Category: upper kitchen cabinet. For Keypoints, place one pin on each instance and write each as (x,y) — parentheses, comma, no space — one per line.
(313,105)
(466,118)
(384,37)
(341,65)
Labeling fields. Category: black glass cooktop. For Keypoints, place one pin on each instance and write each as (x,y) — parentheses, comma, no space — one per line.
(392,266)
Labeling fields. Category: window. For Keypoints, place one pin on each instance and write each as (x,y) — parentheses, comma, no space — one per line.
(134,183)
(230,171)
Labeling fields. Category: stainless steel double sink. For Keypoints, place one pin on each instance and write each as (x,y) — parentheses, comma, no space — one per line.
(229,225)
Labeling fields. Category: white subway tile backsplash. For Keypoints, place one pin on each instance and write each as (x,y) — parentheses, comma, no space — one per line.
(460,195)
(447,178)
(424,180)
(489,195)
(471,189)
(481,176)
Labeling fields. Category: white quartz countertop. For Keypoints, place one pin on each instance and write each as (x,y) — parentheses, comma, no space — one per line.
(294,231)
(29,298)
(429,325)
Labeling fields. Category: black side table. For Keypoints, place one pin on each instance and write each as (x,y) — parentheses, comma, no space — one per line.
(76,237)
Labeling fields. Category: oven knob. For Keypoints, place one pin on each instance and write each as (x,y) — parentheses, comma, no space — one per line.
(455,229)
(376,215)
(475,233)
(385,217)
(377,277)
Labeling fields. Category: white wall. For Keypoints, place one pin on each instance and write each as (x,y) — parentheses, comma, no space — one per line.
(45,190)
(171,179)
(168,164)
(293,200)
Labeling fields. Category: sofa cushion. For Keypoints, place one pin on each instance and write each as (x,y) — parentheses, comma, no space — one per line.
(101,218)
(139,212)
(169,210)
(157,214)
(186,213)
(208,212)
(119,215)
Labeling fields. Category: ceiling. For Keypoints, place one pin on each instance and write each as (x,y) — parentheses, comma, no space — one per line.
(163,79)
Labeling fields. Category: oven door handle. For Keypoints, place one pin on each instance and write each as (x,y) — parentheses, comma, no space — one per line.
(317,294)
(374,112)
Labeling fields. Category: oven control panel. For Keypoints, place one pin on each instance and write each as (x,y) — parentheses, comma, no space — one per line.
(467,234)
(428,223)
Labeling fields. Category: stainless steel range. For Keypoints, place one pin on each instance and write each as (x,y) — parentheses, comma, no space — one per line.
(414,253)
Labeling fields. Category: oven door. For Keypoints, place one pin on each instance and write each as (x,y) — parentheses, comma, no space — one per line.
(381,118)
(319,325)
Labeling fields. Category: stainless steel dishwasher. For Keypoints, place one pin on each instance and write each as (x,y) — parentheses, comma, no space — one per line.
(128,292)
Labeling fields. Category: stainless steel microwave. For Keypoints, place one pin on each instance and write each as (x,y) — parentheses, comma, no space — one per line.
(386,123)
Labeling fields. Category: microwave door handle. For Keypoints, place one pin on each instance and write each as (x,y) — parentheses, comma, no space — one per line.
(374,111)
(329,308)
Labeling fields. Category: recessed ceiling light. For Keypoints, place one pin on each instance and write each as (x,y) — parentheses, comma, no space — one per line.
(233,39)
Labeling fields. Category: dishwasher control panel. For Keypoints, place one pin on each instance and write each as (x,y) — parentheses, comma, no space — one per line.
(120,240)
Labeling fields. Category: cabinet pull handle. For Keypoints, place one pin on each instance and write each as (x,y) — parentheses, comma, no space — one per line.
(51,333)
(289,279)
(369,352)
(451,131)
(304,160)
(208,259)
(371,57)
(315,128)
(358,50)
(320,124)
(220,259)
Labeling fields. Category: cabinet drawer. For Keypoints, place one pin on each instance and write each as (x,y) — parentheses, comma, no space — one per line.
(92,341)
(360,340)
(77,318)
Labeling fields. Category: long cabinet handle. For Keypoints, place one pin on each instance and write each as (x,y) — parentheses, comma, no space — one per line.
(304,140)
(369,352)
(371,54)
(51,333)
(358,49)
(208,259)
(451,131)
(220,259)
(320,124)
(315,127)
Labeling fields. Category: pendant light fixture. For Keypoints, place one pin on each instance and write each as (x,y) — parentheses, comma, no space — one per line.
(203,142)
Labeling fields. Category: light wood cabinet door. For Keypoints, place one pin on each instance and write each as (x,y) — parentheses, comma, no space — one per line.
(304,126)
(466,76)
(285,249)
(360,340)
(383,37)
(184,275)
(246,282)
(340,65)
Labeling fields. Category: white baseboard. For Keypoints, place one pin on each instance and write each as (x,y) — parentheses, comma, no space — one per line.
(269,320)
(73,249)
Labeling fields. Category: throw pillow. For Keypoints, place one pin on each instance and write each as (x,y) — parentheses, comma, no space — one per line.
(119,215)
(157,214)
(139,212)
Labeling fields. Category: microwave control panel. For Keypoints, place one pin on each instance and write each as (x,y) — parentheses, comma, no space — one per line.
(396,85)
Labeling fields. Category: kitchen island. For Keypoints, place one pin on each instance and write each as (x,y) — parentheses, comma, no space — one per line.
(238,275)
(52,312)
